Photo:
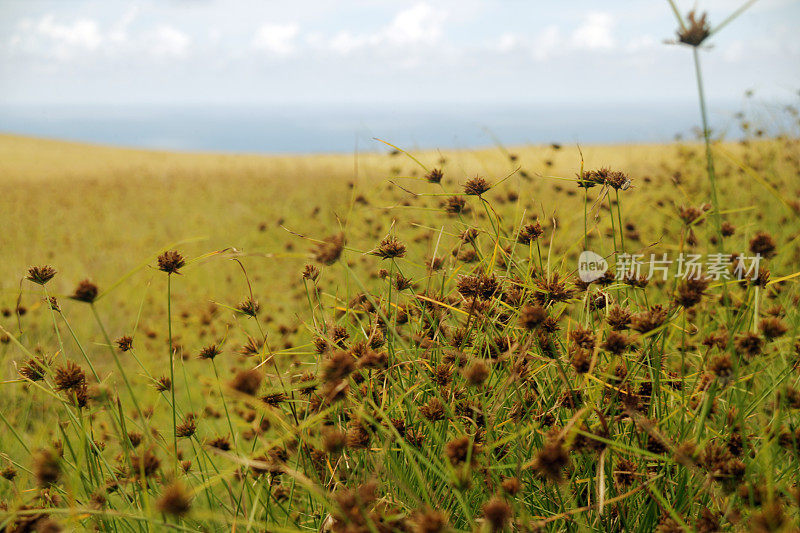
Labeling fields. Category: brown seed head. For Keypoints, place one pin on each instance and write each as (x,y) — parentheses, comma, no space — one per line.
(329,250)
(551,459)
(476,186)
(476,373)
(532,316)
(461,449)
(433,410)
(163,384)
(274,399)
(749,343)
(86,291)
(434,176)
(310,272)
(390,248)
(187,428)
(333,440)
(497,513)
(35,368)
(209,352)
(430,521)
(220,443)
(762,243)
(511,485)
(46,467)
(455,205)
(773,327)
(247,381)
(124,343)
(170,262)
(145,464)
(175,500)
(249,307)
(691,291)
(8,473)
(696,31)
(530,232)
(41,274)
(338,366)
(69,377)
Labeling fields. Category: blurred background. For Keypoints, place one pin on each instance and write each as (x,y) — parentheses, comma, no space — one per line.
(320,76)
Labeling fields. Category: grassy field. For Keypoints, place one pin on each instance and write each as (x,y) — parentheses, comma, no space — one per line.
(381,390)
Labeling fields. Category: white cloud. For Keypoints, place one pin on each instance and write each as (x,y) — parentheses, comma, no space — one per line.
(119,32)
(547,42)
(643,43)
(276,39)
(84,38)
(595,32)
(508,42)
(58,40)
(542,46)
(168,41)
(418,24)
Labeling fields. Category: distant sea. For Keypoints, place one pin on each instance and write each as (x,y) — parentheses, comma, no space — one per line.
(342,128)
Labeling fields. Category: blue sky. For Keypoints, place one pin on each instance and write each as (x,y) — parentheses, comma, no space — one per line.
(345,51)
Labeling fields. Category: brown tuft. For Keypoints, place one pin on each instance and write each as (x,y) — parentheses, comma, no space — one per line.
(497,512)
(41,274)
(696,31)
(551,459)
(170,262)
(124,343)
(86,291)
(476,186)
(390,248)
(476,373)
(175,500)
(69,377)
(329,250)
(46,467)
(247,381)
(434,176)
(461,449)
(209,352)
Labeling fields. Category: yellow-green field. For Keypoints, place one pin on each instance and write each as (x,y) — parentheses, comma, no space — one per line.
(564,430)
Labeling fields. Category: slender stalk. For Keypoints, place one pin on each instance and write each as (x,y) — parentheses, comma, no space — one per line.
(712,178)
(172,369)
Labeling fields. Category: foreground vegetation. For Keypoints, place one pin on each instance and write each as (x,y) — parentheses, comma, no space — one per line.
(397,348)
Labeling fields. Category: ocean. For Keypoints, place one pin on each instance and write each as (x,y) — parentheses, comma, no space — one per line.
(344,128)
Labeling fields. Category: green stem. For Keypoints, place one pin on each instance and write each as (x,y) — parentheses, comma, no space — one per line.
(712,178)
(172,369)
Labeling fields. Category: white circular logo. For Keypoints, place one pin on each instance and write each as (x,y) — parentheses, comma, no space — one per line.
(591,266)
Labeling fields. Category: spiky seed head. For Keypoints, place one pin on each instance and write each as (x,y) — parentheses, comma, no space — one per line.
(696,31)
(124,343)
(69,377)
(86,291)
(209,352)
(329,250)
(434,176)
(170,262)
(41,274)
(176,500)
(390,248)
(476,186)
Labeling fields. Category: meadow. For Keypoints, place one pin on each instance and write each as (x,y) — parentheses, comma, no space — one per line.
(396,341)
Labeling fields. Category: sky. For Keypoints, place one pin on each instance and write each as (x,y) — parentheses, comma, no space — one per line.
(263,52)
